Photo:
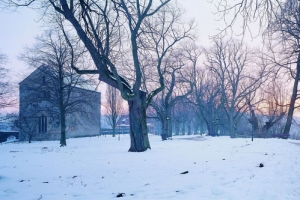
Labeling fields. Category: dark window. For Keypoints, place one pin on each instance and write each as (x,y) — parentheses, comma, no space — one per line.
(42,124)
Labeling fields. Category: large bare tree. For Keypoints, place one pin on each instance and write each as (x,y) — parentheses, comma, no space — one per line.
(284,34)
(106,27)
(280,19)
(207,92)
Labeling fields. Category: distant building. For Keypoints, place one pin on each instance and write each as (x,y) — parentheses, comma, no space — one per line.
(123,125)
(39,115)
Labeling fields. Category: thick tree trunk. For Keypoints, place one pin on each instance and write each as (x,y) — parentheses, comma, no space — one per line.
(63,141)
(138,125)
(293,100)
(231,125)
(211,128)
(164,131)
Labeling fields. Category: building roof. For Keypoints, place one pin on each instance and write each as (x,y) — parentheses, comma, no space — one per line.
(44,68)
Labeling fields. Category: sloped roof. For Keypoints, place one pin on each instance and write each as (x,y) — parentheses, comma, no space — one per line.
(35,72)
(44,68)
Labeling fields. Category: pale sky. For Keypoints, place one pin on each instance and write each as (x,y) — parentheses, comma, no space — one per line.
(20,28)
(17,30)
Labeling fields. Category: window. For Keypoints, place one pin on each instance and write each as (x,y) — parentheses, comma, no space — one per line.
(42,124)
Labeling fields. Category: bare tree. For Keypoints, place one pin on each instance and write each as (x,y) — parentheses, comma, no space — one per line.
(58,80)
(178,85)
(245,14)
(28,124)
(113,107)
(234,66)
(207,98)
(207,94)
(108,27)
(6,89)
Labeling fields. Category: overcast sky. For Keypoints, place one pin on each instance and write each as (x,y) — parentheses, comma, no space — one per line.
(20,28)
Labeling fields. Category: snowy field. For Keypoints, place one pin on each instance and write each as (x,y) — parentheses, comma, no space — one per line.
(100,168)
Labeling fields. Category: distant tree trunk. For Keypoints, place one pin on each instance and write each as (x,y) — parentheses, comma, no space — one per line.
(255,127)
(138,125)
(202,130)
(183,128)
(196,129)
(170,128)
(114,131)
(63,141)
(114,123)
(62,110)
(293,99)
(177,127)
(189,128)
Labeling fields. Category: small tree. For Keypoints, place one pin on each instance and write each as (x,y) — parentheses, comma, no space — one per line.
(28,124)
(6,89)
(113,107)
(58,80)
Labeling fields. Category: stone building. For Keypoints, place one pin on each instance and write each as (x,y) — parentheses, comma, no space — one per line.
(39,117)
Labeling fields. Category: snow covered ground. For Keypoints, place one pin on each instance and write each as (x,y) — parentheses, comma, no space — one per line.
(100,168)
